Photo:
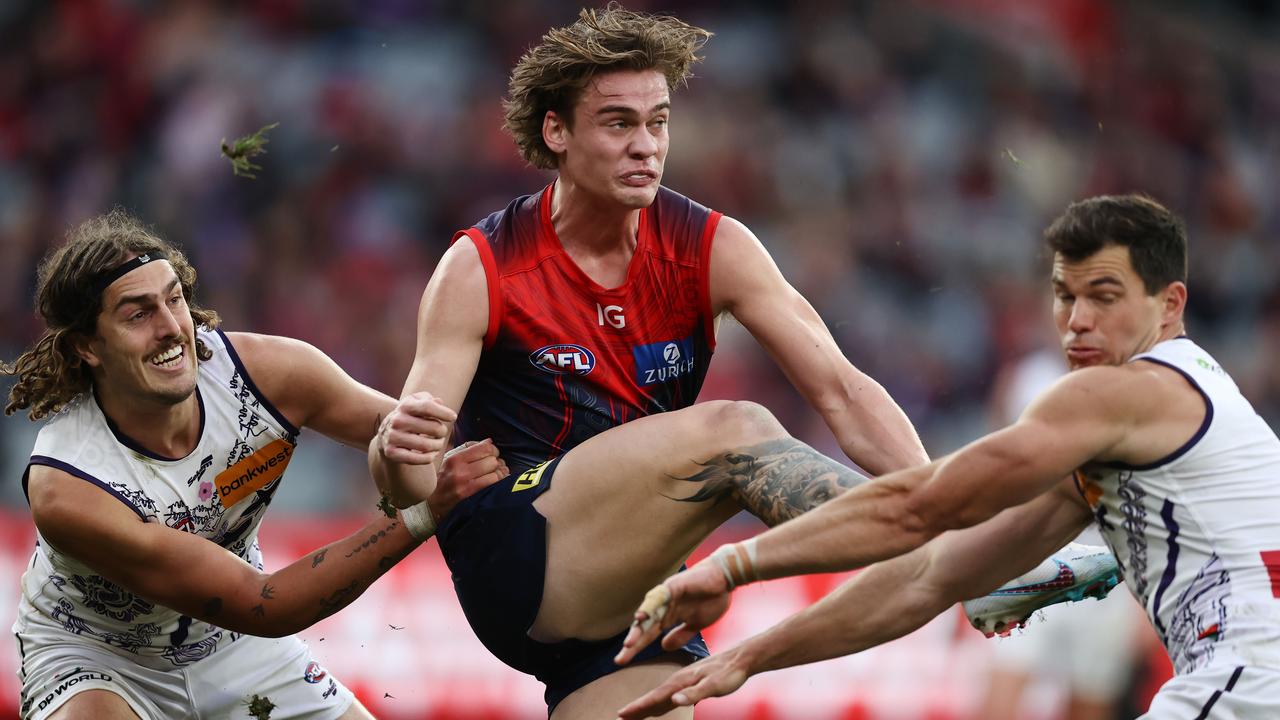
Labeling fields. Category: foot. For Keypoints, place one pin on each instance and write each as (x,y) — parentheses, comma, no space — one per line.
(1073,573)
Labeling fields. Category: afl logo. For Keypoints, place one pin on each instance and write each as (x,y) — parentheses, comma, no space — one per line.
(563,359)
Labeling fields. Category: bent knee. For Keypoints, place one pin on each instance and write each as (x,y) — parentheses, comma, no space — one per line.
(741,423)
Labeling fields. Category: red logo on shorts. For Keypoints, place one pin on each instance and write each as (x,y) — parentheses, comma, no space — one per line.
(314,673)
(1271,559)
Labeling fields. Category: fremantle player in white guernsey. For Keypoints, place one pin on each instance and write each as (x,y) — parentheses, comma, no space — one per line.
(165,442)
(1147,435)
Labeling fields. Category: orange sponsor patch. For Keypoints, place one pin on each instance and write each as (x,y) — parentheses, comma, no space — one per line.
(253,473)
(1091,490)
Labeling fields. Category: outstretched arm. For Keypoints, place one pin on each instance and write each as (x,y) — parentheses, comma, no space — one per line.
(1083,417)
(870,427)
(883,603)
(312,391)
(198,578)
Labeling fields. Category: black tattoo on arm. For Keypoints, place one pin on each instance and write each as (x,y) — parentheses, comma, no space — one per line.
(258,610)
(775,480)
(338,600)
(212,607)
(318,557)
(374,538)
(268,592)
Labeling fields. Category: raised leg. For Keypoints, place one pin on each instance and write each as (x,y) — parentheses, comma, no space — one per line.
(628,506)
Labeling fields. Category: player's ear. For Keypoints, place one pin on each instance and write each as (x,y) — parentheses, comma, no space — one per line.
(1174,301)
(554,131)
(84,348)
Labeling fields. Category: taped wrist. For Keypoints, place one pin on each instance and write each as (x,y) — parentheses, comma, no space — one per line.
(738,562)
(419,521)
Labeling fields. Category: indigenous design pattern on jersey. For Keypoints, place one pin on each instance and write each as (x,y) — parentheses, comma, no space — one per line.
(1197,531)
(565,358)
(219,492)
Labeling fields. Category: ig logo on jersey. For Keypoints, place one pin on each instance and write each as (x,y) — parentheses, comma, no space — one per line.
(566,359)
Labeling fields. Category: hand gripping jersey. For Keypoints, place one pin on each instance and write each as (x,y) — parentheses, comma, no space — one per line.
(1198,533)
(564,358)
(219,492)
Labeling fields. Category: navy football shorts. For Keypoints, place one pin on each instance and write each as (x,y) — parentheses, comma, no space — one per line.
(495,543)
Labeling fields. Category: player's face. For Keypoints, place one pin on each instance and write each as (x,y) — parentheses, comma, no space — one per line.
(618,143)
(1103,312)
(145,345)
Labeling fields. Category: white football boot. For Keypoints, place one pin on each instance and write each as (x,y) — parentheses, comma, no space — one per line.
(1075,572)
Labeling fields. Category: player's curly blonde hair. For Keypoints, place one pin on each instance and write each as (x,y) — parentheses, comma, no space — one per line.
(551,76)
(51,373)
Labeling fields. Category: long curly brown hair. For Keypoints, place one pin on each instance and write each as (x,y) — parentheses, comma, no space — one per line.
(552,75)
(51,373)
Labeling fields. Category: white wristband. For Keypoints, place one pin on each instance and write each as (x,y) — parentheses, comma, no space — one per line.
(418,521)
(738,562)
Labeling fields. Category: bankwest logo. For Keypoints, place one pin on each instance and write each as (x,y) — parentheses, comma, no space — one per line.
(563,359)
(254,472)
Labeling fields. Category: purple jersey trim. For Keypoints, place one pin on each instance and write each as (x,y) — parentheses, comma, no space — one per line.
(253,387)
(73,470)
(1204,425)
(136,446)
(1213,699)
(1170,563)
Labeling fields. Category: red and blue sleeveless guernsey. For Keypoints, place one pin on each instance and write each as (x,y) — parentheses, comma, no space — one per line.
(564,358)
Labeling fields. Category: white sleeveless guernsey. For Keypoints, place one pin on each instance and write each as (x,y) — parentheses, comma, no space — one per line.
(1198,532)
(219,492)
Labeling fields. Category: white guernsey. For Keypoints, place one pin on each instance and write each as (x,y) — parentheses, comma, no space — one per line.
(218,495)
(1198,532)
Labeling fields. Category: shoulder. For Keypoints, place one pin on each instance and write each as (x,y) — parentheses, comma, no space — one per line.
(274,364)
(1128,398)
(733,245)
(462,271)
(740,264)
(267,352)
(1101,391)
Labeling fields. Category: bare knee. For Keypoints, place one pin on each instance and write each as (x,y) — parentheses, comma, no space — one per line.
(737,424)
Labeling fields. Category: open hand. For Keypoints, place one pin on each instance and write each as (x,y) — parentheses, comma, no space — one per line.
(710,677)
(688,601)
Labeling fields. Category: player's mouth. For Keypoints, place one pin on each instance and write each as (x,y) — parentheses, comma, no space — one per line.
(1080,355)
(639,178)
(170,358)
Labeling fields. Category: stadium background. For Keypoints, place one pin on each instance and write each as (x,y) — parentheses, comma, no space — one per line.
(899,159)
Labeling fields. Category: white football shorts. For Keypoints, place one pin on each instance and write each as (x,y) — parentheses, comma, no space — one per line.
(55,666)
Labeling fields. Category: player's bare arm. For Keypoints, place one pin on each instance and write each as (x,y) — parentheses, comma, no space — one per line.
(199,578)
(1085,416)
(453,318)
(312,391)
(309,388)
(887,601)
(1091,414)
(873,431)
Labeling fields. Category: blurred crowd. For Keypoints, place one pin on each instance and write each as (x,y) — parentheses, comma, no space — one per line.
(899,159)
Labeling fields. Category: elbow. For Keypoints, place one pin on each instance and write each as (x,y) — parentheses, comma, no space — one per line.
(924,516)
